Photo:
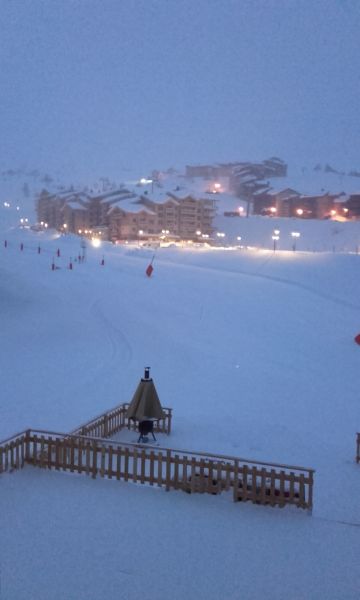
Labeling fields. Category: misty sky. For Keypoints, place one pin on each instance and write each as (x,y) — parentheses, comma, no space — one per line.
(98,86)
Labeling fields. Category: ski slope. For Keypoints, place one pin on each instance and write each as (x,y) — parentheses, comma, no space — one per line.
(254,352)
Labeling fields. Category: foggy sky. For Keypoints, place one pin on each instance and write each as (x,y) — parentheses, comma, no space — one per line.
(99,86)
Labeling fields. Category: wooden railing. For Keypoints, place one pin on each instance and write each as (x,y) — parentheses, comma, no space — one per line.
(261,483)
(13,452)
(112,421)
(358,447)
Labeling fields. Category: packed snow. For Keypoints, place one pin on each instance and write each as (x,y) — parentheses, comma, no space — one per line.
(254,351)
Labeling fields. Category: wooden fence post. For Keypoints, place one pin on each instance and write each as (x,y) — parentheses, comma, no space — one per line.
(310,498)
(168,470)
(236,481)
(94,461)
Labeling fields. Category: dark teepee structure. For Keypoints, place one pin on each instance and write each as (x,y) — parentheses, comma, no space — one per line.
(145,404)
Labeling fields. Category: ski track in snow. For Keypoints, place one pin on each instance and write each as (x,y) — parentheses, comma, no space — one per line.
(284,281)
(120,347)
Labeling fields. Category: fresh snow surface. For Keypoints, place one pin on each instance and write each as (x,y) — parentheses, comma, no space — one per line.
(252,349)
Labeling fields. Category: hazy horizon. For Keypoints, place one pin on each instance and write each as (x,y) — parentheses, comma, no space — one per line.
(95,88)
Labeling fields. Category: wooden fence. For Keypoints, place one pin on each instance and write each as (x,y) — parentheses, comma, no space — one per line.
(358,447)
(13,452)
(193,472)
(114,420)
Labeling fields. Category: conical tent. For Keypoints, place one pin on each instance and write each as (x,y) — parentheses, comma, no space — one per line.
(145,404)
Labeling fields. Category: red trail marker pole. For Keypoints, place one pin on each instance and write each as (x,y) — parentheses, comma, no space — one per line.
(150,267)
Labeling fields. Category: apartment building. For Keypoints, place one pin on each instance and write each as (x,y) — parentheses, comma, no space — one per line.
(126,215)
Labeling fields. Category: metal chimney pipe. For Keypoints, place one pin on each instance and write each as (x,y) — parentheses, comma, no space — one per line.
(147,373)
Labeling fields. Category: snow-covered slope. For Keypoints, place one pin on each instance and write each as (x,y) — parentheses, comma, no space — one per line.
(253,350)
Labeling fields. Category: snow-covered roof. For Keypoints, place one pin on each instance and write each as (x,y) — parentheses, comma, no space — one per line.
(76,206)
(130,207)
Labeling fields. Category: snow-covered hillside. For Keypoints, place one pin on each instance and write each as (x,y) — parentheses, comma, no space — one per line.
(253,350)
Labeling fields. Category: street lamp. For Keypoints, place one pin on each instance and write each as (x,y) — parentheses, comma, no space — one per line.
(275,239)
(295,235)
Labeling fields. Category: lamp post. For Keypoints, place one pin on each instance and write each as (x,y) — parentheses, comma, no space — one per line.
(276,237)
(220,235)
(295,235)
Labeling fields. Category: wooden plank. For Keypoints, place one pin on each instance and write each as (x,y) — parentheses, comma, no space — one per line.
(135,465)
(168,470)
(17,453)
(57,454)
(159,469)
(142,465)
(193,475)
(263,498)
(49,452)
(176,472)
(126,469)
(27,446)
(292,498)
(65,454)
(202,483)
(22,452)
(184,472)
(236,481)
(151,476)
(80,455)
(102,467)
(72,455)
(12,464)
(272,487)
(253,483)
(118,463)
(310,492)
(42,452)
(94,460)
(219,473)
(302,499)
(110,462)
(88,458)
(282,498)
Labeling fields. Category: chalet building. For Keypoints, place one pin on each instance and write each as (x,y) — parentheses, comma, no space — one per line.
(248,178)
(76,216)
(126,215)
(49,209)
(290,203)
(184,216)
(312,207)
(272,202)
(131,223)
